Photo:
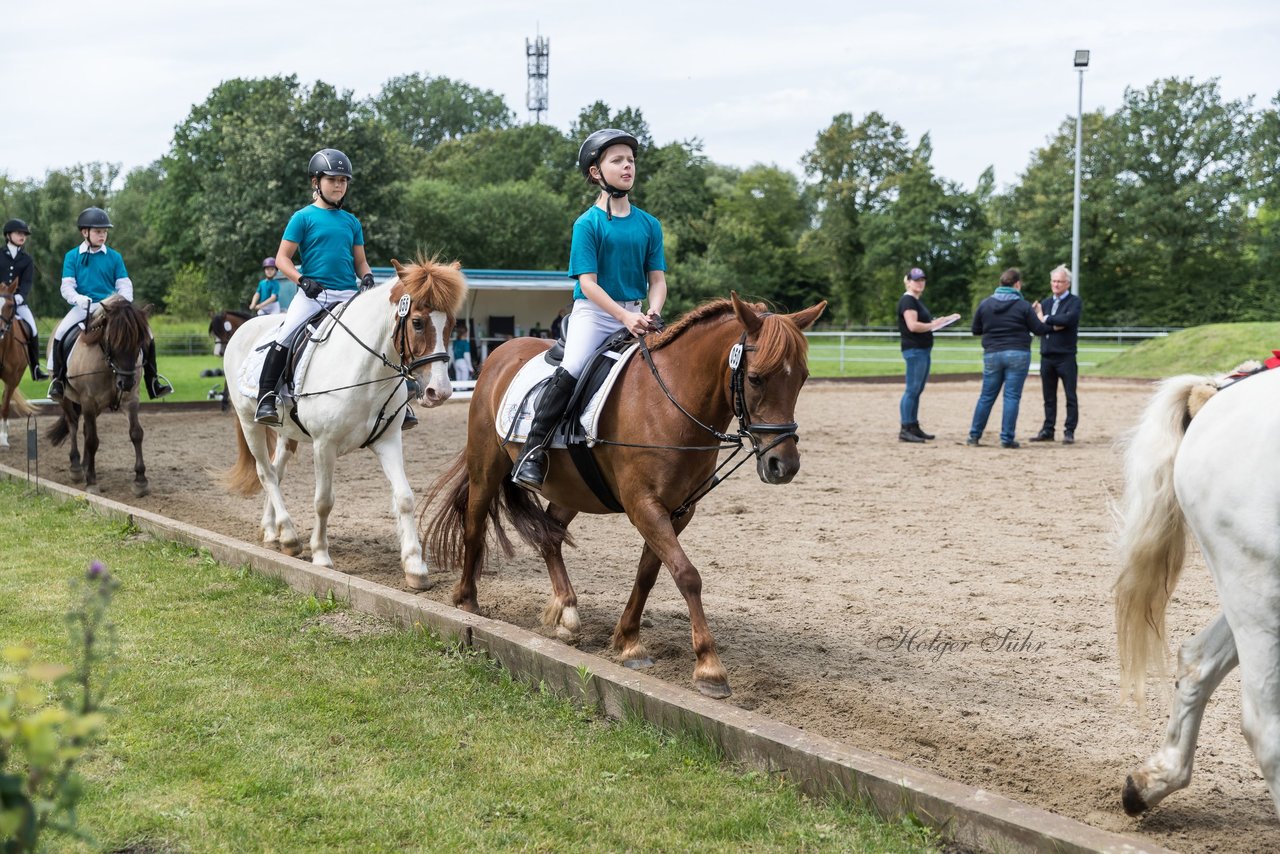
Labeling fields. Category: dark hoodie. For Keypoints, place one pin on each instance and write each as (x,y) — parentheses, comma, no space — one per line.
(1006,321)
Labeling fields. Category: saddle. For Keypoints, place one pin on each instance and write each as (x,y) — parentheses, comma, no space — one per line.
(578,430)
(297,355)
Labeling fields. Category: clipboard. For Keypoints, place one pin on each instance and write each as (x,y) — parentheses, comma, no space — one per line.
(946,323)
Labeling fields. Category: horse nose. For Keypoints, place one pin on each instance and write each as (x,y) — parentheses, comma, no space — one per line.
(778,469)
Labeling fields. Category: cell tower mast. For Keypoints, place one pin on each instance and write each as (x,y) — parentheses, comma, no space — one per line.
(538,53)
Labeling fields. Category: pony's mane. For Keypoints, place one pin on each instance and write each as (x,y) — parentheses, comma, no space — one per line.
(122,325)
(779,341)
(442,286)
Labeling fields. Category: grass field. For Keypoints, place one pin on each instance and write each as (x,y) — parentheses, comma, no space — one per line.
(244,717)
(1212,349)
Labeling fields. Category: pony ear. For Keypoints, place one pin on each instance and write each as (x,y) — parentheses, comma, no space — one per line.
(746,314)
(396,264)
(397,291)
(805,319)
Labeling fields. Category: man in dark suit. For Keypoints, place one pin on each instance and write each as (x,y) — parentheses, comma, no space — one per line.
(1058,355)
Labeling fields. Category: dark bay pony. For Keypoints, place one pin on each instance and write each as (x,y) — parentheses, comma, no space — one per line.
(102,375)
(13,359)
(223,325)
(657,455)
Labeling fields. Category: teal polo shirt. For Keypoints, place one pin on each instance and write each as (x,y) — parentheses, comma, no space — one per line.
(621,252)
(95,272)
(324,239)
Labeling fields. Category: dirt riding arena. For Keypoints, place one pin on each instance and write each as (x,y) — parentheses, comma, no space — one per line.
(842,603)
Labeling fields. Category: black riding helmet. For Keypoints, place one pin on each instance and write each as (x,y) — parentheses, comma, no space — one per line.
(329,161)
(589,155)
(16,225)
(93,218)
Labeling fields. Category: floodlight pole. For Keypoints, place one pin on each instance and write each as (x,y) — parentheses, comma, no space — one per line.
(1081,63)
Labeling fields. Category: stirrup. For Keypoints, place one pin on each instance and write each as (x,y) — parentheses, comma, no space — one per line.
(158,386)
(268,413)
(410,420)
(56,390)
(38,373)
(531,470)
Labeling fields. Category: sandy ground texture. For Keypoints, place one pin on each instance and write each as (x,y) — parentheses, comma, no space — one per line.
(944,605)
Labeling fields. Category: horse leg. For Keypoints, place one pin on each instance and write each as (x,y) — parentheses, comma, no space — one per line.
(284,452)
(561,612)
(484,479)
(626,635)
(4,414)
(325,459)
(140,485)
(390,453)
(1202,662)
(654,523)
(72,417)
(91,453)
(275,515)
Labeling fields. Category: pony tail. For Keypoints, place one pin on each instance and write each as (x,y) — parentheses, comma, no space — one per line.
(442,537)
(58,433)
(1152,536)
(242,478)
(21,407)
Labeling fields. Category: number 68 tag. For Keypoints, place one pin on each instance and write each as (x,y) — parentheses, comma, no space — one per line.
(403,308)
(735,357)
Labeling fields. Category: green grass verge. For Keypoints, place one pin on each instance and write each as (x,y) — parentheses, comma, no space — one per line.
(879,357)
(241,719)
(182,371)
(1211,349)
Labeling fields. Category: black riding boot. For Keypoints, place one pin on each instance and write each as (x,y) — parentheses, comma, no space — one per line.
(157,386)
(59,372)
(410,420)
(531,468)
(33,358)
(272,368)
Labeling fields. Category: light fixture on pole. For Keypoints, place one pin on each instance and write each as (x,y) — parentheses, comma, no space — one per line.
(1081,63)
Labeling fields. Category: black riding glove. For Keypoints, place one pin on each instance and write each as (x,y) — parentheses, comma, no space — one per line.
(310,287)
(366,281)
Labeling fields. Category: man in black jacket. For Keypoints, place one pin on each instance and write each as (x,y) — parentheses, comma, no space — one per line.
(15,263)
(1006,323)
(1058,355)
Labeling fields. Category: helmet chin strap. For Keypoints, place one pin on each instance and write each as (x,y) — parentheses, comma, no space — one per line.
(614,193)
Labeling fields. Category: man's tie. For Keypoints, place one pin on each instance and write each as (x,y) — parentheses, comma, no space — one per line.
(1054,310)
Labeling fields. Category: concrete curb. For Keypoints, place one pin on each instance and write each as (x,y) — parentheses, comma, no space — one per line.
(821,767)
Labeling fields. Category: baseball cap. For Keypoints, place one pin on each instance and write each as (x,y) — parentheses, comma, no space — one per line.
(916,274)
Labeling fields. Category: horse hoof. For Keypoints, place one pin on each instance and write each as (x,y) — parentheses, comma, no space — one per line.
(637,663)
(93,489)
(1131,799)
(469,607)
(566,636)
(321,559)
(292,549)
(714,690)
(141,490)
(418,583)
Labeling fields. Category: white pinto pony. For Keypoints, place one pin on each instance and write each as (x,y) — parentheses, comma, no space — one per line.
(1218,474)
(352,395)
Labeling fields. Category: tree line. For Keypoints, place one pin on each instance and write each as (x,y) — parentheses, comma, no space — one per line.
(1179,223)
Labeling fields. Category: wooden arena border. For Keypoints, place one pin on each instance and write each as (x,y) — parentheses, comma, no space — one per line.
(970,816)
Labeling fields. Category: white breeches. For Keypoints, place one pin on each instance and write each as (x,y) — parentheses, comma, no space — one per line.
(462,367)
(76,315)
(303,307)
(588,327)
(23,313)
(274,308)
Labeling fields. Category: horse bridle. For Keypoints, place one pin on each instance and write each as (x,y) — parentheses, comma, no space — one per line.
(400,335)
(737,386)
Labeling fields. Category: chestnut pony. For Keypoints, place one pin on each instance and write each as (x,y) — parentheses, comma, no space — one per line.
(13,359)
(102,374)
(389,343)
(223,325)
(660,440)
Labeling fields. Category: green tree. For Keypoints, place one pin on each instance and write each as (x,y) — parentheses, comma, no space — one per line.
(537,153)
(597,116)
(431,110)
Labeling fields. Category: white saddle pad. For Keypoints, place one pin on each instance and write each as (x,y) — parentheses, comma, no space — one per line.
(251,370)
(514,420)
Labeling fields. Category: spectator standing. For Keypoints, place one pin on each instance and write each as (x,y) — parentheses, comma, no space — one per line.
(1006,323)
(1058,355)
(916,326)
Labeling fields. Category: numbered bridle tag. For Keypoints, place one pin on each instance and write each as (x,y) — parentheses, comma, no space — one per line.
(735,357)
(403,308)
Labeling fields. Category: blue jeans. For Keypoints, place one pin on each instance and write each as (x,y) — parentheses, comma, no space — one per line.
(918,361)
(1006,368)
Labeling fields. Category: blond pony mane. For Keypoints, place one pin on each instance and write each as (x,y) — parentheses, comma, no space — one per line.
(779,341)
(442,286)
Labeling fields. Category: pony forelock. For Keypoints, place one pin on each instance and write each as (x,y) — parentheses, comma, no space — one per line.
(435,282)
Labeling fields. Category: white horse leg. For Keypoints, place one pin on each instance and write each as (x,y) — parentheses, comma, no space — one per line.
(270,529)
(390,452)
(4,432)
(275,518)
(325,459)
(1202,662)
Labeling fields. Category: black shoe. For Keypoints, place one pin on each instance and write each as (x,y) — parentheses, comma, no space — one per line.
(907,435)
(972,442)
(1044,436)
(531,466)
(158,386)
(915,428)
(267,412)
(55,389)
(1011,444)
(410,420)
(1068,438)
(38,373)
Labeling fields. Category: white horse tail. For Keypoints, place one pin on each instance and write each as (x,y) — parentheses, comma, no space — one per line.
(1153,534)
(242,478)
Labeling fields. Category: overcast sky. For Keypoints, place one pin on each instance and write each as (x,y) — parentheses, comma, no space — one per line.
(756,81)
